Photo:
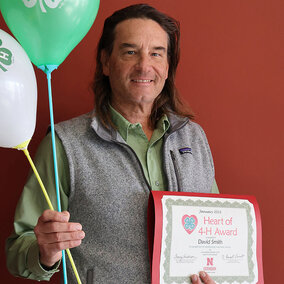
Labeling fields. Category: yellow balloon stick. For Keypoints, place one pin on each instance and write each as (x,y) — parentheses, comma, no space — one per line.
(38,178)
(24,148)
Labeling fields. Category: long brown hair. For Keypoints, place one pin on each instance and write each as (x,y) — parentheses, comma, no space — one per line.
(169,100)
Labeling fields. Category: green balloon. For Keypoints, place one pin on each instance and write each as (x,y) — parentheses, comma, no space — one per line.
(48,30)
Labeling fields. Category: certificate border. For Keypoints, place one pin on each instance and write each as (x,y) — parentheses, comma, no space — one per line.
(168,240)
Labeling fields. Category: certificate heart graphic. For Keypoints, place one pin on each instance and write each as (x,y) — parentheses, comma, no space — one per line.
(189,223)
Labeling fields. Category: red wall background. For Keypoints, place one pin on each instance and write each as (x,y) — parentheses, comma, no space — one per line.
(231,73)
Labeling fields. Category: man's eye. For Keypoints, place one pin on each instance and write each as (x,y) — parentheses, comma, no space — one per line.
(156,54)
(130,52)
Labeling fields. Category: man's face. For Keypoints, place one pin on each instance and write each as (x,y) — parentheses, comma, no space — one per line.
(138,65)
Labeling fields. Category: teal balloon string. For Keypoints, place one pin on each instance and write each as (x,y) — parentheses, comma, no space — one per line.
(48,69)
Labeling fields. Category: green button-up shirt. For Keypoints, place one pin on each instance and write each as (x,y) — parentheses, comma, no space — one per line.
(148,152)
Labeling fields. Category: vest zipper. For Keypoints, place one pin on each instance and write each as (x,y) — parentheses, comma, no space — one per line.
(172,155)
(175,169)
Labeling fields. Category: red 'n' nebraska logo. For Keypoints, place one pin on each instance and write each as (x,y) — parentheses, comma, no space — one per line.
(210,265)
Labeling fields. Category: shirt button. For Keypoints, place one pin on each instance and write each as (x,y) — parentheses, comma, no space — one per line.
(157,183)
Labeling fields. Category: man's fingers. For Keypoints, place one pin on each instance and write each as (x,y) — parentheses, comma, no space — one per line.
(51,227)
(54,233)
(206,279)
(58,237)
(195,279)
(50,215)
(56,247)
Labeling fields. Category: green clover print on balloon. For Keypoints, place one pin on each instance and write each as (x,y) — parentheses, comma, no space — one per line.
(5,57)
(49,3)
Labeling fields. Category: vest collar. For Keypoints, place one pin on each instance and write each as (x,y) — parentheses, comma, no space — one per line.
(176,122)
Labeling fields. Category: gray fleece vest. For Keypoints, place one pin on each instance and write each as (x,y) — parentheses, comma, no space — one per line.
(109,194)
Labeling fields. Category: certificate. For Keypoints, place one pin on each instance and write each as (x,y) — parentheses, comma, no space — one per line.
(219,234)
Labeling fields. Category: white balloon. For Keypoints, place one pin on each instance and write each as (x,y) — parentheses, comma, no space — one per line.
(18,93)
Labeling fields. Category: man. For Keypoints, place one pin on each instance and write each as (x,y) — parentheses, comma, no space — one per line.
(109,160)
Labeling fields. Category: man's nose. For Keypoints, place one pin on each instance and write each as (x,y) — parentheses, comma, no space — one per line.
(143,62)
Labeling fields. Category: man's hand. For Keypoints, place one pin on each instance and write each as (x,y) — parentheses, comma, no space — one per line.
(206,279)
(54,233)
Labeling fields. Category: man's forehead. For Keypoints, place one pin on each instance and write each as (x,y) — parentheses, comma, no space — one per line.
(133,29)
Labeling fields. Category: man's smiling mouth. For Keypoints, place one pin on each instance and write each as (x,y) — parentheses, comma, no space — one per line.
(142,81)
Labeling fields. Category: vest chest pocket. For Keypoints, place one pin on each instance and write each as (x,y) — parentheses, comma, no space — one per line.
(188,170)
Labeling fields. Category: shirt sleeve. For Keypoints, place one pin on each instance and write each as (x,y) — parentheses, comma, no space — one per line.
(22,252)
(214,188)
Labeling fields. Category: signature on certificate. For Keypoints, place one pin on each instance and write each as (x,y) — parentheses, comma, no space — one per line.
(233,258)
(185,258)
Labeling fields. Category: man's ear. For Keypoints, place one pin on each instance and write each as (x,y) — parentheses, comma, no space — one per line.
(105,62)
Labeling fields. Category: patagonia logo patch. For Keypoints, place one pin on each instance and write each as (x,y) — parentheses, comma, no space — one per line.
(185,150)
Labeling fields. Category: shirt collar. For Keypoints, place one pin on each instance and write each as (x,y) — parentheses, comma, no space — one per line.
(123,124)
